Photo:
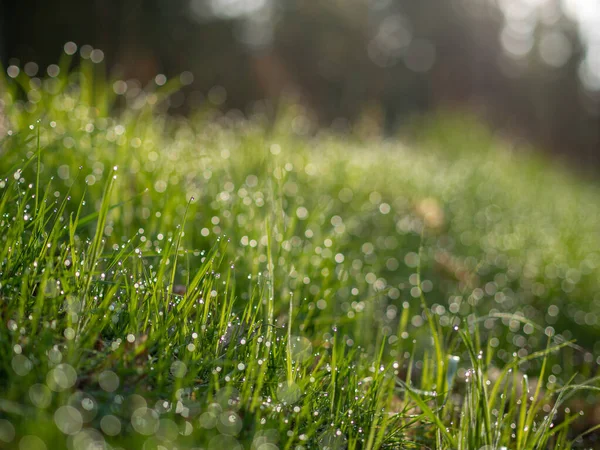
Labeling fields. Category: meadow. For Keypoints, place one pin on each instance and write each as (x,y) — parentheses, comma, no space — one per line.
(222,281)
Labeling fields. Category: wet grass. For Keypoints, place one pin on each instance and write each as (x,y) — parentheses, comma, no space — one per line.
(218,283)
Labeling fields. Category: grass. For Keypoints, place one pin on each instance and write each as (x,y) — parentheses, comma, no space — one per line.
(219,283)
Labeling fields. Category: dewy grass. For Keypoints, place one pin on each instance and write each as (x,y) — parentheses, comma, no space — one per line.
(215,283)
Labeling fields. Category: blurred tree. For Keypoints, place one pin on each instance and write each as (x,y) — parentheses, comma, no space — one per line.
(527,67)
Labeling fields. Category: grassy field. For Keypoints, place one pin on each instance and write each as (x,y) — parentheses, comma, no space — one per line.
(221,283)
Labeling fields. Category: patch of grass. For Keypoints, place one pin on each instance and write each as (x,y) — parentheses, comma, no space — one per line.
(213,282)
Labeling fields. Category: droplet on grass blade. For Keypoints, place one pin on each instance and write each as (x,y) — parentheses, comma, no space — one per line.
(229,423)
(68,420)
(21,365)
(88,438)
(40,395)
(221,442)
(289,392)
(61,378)
(178,369)
(301,348)
(110,425)
(145,421)
(108,381)
(332,440)
(7,431)
(32,442)
(452,369)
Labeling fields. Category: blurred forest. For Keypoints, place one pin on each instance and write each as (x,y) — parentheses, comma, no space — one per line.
(530,68)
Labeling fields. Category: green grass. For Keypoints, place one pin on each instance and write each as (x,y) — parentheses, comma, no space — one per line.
(219,283)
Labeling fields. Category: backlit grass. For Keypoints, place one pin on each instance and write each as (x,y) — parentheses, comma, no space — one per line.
(220,283)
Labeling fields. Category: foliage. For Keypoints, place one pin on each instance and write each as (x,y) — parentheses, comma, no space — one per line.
(213,283)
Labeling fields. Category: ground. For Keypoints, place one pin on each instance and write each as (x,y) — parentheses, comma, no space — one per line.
(217,282)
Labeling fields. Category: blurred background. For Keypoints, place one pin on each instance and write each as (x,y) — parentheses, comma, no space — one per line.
(529,68)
